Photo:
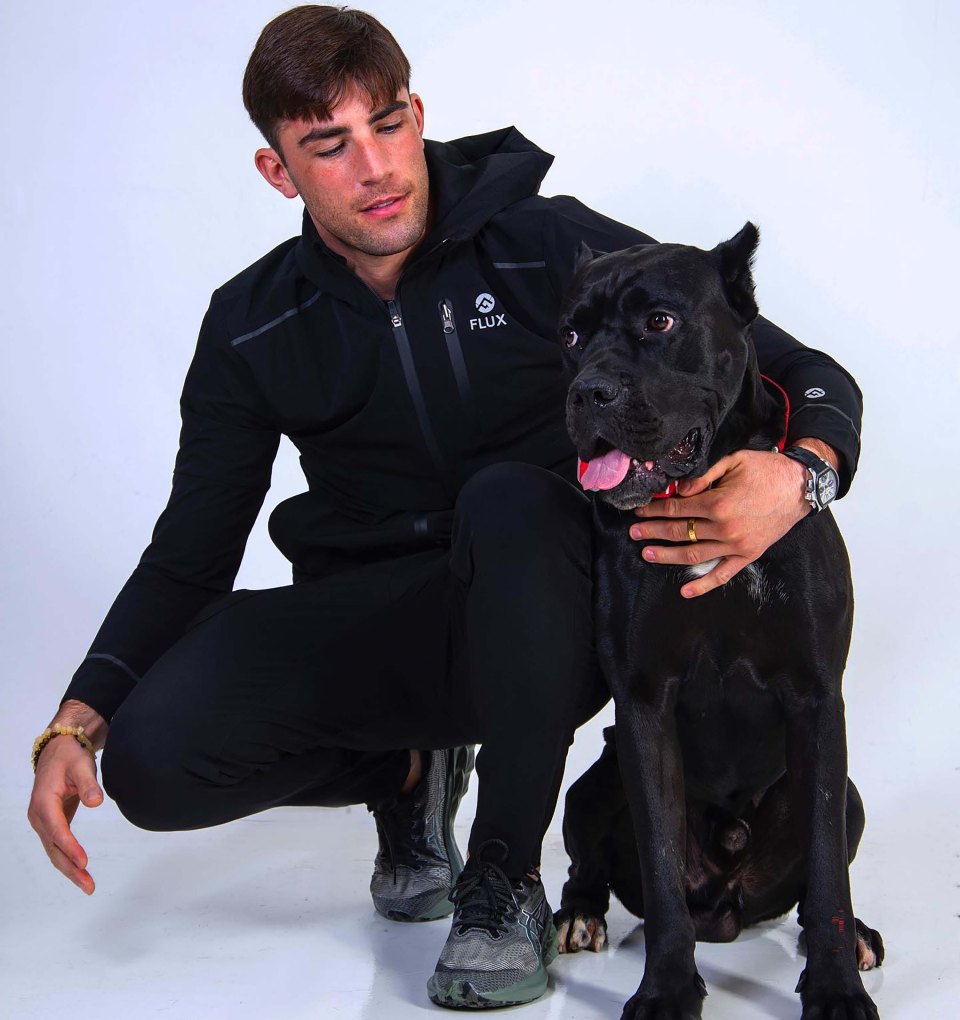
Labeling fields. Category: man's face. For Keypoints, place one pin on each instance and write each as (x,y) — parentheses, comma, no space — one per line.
(362,174)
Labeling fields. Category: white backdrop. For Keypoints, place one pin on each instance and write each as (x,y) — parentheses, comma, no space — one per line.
(129,193)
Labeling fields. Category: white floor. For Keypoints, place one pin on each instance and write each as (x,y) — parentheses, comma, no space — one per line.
(270,918)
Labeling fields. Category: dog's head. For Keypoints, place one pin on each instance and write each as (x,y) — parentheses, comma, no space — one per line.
(657,340)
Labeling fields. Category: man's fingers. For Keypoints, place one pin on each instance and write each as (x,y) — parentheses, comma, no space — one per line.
(694,486)
(62,862)
(683,555)
(58,834)
(92,796)
(676,530)
(727,568)
(703,505)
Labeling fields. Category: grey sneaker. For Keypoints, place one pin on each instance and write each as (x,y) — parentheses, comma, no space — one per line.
(418,861)
(502,939)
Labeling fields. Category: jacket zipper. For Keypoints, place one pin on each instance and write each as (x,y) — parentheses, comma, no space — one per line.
(413,381)
(455,351)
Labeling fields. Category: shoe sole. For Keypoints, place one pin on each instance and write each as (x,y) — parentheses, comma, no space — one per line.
(465,995)
(457,781)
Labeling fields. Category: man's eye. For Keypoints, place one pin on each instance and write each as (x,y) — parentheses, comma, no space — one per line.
(327,153)
(392,127)
(570,338)
(660,322)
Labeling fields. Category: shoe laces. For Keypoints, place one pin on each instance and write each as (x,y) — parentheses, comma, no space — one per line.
(400,824)
(397,829)
(484,895)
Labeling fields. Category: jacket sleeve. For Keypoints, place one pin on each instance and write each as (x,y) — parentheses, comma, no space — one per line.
(825,401)
(221,475)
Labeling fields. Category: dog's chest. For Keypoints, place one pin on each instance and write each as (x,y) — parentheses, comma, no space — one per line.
(760,589)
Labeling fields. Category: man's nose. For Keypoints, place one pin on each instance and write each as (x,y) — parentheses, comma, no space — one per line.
(372,163)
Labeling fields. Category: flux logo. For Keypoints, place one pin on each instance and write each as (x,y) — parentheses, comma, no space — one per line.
(815,393)
(486,303)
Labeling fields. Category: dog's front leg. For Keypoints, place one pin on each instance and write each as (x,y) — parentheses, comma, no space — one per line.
(830,986)
(652,772)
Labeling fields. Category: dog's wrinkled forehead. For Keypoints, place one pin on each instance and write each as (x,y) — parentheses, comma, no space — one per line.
(613,291)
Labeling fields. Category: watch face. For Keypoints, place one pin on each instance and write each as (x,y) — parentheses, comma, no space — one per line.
(826,487)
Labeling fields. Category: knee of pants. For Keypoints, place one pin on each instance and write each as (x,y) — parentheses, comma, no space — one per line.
(856,819)
(516,503)
(144,778)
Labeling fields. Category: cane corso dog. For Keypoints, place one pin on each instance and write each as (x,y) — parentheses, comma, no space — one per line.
(721,797)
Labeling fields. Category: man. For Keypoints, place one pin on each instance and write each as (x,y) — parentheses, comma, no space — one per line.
(441,555)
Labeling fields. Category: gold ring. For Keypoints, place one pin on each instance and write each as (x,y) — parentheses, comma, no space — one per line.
(692,529)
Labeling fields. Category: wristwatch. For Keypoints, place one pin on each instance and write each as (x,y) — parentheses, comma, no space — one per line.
(822,481)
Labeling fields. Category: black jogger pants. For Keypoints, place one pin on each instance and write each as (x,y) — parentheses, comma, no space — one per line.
(312,693)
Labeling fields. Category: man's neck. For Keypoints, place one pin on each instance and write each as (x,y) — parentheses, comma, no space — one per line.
(379,272)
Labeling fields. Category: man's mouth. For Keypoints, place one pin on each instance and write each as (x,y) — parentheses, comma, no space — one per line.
(387,206)
(608,470)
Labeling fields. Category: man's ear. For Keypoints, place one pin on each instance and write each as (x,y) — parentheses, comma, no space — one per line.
(274,172)
(416,104)
(735,260)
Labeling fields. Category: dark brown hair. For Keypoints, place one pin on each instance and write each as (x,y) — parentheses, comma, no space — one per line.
(308,57)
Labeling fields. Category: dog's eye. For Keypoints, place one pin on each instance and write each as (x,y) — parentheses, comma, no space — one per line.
(660,322)
(570,338)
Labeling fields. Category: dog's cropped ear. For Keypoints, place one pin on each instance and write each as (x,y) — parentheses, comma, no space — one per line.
(735,258)
(585,254)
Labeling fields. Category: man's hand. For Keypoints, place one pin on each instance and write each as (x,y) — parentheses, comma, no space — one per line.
(67,777)
(756,498)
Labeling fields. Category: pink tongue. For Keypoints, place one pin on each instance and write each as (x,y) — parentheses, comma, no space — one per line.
(604,472)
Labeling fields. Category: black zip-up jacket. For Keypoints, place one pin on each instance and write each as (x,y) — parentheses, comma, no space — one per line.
(392,405)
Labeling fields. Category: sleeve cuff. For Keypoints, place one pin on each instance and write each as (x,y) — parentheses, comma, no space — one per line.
(102,682)
(830,425)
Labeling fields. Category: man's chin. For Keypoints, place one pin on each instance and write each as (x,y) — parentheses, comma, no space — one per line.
(391,235)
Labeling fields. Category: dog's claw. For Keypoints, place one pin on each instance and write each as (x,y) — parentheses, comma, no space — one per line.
(870,951)
(679,1000)
(821,1002)
(581,931)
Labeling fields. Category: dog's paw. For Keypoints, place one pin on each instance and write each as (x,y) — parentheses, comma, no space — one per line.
(578,929)
(870,951)
(667,1000)
(823,1001)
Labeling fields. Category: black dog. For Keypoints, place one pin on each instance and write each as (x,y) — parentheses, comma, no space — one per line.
(730,727)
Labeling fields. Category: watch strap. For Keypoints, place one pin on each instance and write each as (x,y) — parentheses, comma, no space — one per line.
(816,470)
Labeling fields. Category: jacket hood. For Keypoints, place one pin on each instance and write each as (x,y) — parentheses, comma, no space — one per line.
(471,180)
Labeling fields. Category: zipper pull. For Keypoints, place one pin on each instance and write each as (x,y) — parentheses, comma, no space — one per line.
(396,320)
(446,317)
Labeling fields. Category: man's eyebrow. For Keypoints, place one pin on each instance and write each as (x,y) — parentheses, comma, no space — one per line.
(318,134)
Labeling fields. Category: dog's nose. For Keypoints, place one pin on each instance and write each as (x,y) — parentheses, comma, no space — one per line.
(600,389)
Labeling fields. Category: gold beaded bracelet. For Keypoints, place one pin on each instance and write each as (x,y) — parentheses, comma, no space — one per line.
(58,730)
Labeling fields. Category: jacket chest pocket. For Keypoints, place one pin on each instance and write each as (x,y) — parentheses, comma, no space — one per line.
(506,376)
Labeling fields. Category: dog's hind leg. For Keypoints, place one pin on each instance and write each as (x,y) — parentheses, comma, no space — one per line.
(591,809)
(774,876)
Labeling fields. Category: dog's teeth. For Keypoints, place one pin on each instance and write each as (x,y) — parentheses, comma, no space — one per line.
(648,464)
(635,462)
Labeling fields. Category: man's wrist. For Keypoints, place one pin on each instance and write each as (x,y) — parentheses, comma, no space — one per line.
(76,713)
(818,461)
(821,449)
